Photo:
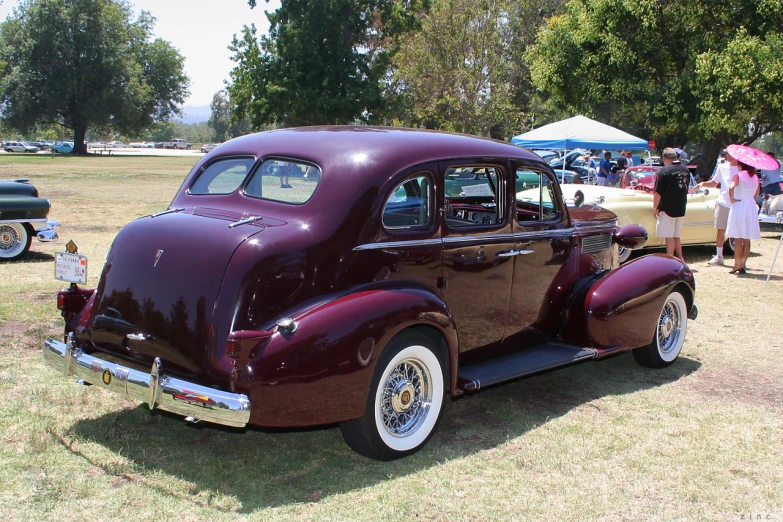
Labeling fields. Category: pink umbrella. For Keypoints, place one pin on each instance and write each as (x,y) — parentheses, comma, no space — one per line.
(752,157)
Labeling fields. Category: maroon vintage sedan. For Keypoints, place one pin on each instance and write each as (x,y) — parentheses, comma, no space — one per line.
(363,276)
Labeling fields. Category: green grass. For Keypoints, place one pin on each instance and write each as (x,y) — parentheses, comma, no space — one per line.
(702,439)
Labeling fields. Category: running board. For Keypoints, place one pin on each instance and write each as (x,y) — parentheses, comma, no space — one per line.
(518,364)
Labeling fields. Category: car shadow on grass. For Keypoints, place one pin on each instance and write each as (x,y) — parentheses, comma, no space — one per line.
(34,257)
(267,468)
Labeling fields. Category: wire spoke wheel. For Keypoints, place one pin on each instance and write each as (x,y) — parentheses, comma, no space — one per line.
(406,397)
(669,336)
(14,240)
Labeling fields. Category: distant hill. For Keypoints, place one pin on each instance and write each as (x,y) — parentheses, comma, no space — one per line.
(192,114)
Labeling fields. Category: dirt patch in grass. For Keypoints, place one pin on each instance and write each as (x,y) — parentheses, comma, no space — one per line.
(12,329)
(738,385)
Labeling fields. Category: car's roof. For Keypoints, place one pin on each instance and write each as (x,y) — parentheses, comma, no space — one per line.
(365,149)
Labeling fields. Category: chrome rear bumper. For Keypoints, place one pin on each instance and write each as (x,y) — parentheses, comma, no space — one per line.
(154,388)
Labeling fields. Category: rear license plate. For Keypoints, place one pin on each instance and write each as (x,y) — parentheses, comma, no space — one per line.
(70,267)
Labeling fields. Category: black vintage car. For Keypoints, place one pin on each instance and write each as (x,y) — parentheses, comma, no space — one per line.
(22,215)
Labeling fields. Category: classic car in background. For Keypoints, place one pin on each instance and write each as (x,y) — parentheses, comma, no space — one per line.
(22,215)
(641,177)
(367,293)
(636,207)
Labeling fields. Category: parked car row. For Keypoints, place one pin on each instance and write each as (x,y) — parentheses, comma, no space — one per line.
(20,146)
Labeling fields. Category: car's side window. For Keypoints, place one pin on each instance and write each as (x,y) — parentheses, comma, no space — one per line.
(222,176)
(409,205)
(472,195)
(536,199)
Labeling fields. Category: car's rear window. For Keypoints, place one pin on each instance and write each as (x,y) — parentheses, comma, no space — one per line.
(222,176)
(285,180)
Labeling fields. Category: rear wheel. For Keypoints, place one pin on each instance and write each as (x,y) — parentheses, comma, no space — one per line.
(15,239)
(669,334)
(728,246)
(404,403)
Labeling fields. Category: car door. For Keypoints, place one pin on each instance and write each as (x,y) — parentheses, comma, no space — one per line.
(543,240)
(698,225)
(478,249)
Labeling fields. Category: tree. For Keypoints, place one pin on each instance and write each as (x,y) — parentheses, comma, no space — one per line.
(455,73)
(322,62)
(220,120)
(669,70)
(86,64)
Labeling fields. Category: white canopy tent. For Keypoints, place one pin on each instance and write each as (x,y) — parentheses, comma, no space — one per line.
(576,133)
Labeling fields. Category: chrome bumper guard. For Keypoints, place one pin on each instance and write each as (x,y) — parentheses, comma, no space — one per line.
(155,389)
(47,233)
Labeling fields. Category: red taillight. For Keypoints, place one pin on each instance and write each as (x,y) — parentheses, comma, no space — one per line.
(243,344)
(234,348)
(71,301)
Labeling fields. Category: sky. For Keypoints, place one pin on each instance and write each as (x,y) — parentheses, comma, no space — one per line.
(201,30)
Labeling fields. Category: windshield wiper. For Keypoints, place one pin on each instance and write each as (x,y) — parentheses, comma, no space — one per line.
(169,211)
(246,221)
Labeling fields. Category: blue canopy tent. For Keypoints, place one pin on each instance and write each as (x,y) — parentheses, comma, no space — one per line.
(579,132)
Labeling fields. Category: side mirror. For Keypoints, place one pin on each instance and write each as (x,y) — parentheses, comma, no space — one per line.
(706,192)
(579,198)
(631,237)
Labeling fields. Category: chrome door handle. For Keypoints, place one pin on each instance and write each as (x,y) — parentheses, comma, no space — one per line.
(512,253)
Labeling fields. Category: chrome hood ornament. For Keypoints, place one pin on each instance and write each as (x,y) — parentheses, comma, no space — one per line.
(157,258)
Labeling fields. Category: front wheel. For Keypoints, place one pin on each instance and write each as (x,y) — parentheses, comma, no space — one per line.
(15,239)
(669,334)
(623,254)
(404,403)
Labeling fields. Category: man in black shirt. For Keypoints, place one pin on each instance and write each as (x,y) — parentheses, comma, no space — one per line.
(671,195)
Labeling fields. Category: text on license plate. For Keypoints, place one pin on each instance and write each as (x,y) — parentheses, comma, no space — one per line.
(70,267)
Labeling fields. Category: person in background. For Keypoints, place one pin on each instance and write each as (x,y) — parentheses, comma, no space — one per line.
(743,222)
(591,165)
(721,178)
(669,200)
(770,182)
(622,164)
(604,170)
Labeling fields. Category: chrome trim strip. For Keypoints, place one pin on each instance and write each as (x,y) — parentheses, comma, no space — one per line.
(555,233)
(40,222)
(399,244)
(489,238)
(154,388)
(700,223)
(596,228)
(252,219)
(169,211)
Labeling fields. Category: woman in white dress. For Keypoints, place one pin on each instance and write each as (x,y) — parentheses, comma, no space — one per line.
(743,223)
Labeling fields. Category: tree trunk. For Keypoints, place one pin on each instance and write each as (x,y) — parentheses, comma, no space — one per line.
(711,149)
(78,140)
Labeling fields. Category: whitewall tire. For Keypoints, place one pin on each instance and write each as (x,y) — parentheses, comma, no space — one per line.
(15,239)
(405,400)
(669,337)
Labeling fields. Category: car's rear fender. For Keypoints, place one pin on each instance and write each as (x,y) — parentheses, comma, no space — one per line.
(621,309)
(320,372)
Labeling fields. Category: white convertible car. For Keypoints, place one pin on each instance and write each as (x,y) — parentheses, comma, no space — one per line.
(636,207)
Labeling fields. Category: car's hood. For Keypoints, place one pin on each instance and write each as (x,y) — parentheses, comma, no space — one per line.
(595,194)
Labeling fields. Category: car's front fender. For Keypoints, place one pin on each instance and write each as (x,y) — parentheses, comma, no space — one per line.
(320,372)
(622,308)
